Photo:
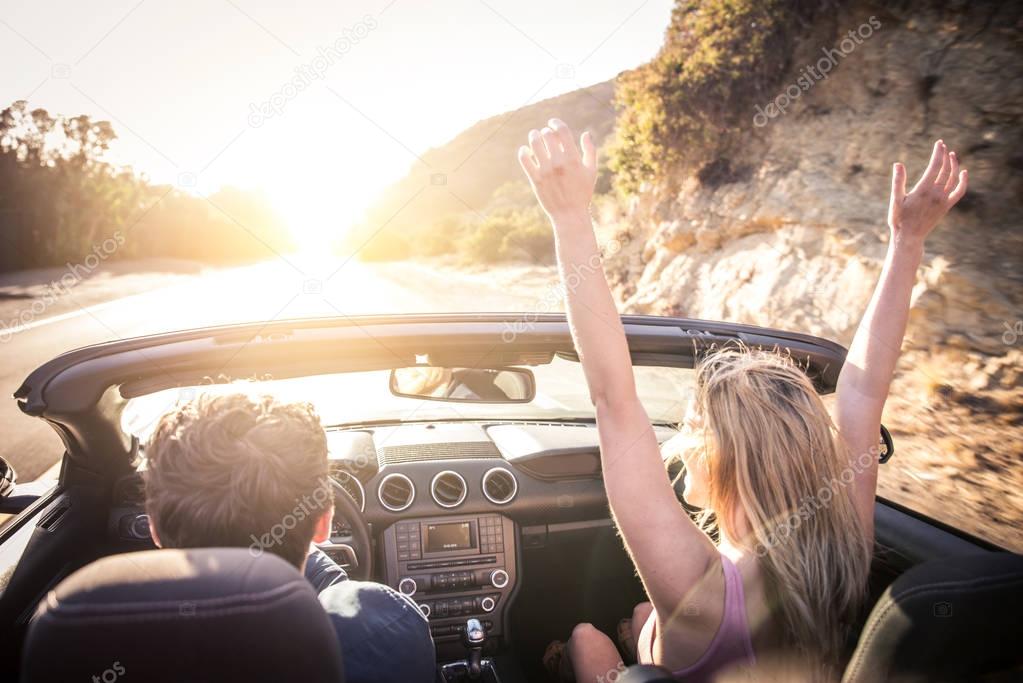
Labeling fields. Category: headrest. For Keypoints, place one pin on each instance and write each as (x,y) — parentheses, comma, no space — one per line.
(212,614)
(954,619)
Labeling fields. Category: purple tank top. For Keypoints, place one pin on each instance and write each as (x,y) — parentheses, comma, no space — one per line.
(732,644)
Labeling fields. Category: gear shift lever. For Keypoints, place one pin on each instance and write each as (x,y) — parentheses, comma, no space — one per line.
(474,638)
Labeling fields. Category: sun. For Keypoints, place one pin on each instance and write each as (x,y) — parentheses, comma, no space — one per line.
(324,165)
(317,214)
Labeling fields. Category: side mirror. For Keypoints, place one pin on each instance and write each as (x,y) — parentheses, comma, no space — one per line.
(15,497)
(8,478)
(887,446)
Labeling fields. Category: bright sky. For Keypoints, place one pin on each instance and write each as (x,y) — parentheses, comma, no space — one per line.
(182,82)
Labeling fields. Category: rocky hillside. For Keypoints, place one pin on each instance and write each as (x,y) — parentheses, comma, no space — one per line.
(788,230)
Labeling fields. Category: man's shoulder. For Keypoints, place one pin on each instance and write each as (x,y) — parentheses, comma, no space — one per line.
(384,636)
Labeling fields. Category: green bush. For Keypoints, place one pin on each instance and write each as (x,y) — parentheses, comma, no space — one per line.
(61,200)
(442,238)
(690,103)
(510,235)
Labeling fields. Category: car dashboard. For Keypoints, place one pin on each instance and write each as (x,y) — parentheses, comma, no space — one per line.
(451,506)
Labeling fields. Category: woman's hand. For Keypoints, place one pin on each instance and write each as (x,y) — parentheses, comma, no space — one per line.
(912,217)
(561,176)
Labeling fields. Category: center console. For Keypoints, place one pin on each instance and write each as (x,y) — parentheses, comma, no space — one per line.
(454,568)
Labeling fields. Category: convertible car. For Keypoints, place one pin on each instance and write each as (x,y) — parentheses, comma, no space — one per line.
(466,451)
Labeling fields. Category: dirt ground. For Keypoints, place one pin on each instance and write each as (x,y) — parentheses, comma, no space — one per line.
(959,448)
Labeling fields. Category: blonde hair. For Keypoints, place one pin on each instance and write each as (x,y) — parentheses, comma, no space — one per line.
(772,450)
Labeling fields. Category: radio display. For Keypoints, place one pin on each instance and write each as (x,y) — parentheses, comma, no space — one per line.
(447,537)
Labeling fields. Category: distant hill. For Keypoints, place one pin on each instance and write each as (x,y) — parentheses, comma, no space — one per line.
(451,194)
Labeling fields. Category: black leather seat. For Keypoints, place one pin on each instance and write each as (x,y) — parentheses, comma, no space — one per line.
(955,619)
(218,614)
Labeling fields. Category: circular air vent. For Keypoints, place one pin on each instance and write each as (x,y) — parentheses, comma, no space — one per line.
(500,486)
(448,489)
(349,483)
(396,492)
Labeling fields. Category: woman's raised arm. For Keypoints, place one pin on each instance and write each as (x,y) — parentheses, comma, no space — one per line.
(670,553)
(867,374)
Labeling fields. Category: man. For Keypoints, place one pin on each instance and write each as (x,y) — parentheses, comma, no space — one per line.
(235,470)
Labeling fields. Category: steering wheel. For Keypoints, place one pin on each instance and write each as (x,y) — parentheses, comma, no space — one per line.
(360,542)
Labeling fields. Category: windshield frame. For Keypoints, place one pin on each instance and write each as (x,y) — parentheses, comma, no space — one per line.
(80,393)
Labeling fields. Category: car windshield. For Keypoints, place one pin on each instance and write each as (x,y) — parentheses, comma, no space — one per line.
(360,397)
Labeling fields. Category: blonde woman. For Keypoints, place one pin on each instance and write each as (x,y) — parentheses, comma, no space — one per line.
(783,576)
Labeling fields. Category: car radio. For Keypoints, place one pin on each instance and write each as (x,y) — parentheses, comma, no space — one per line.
(454,568)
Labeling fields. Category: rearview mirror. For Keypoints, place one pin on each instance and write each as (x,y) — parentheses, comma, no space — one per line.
(464,385)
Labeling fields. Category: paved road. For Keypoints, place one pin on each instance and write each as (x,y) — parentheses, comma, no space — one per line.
(268,291)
